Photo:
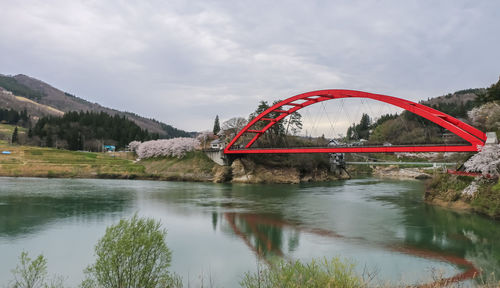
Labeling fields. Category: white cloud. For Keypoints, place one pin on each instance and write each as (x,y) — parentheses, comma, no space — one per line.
(184,62)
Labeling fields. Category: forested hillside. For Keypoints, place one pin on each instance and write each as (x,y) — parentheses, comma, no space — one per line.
(478,107)
(88,131)
(41,99)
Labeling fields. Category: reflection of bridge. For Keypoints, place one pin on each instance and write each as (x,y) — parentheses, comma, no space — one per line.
(243,141)
(264,236)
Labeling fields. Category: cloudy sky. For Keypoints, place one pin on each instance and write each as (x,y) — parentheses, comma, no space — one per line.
(183,62)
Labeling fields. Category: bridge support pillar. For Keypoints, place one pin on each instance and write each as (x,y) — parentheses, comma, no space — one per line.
(337,163)
(219,157)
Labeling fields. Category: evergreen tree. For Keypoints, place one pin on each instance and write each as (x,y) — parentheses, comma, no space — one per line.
(49,142)
(216,125)
(493,93)
(14,136)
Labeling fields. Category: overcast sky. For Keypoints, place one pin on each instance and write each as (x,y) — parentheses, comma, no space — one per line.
(183,62)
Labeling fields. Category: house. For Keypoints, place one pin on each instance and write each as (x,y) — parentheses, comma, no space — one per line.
(108,148)
(217,144)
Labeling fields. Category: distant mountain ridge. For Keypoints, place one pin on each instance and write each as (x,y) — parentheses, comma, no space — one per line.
(42,99)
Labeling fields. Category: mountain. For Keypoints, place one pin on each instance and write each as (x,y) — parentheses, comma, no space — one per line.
(21,92)
(458,103)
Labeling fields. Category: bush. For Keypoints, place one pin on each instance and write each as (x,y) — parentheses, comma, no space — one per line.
(334,273)
(33,273)
(131,254)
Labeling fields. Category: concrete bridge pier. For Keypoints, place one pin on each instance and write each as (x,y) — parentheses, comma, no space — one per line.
(218,156)
(337,163)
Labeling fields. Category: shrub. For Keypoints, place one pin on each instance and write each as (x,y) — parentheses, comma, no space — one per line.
(131,254)
(334,273)
(33,273)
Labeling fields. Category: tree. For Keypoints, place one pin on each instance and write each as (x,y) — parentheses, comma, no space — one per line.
(176,147)
(361,130)
(134,145)
(293,123)
(132,254)
(492,93)
(232,126)
(216,125)
(14,136)
(487,161)
(33,273)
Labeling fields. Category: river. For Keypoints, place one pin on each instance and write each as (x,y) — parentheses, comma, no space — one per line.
(217,232)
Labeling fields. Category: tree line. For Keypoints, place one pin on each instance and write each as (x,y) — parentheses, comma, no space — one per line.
(88,131)
(13,117)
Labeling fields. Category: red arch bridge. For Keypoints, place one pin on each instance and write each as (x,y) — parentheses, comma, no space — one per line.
(474,137)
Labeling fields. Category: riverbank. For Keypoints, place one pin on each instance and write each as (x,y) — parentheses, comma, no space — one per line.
(465,193)
(29,161)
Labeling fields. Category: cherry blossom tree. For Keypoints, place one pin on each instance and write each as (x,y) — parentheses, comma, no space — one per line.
(176,147)
(132,146)
(487,161)
(486,116)
(205,137)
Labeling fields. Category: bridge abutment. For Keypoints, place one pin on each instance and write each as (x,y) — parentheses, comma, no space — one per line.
(218,157)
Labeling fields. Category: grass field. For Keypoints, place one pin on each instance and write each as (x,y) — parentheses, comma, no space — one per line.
(29,161)
(32,161)
(195,166)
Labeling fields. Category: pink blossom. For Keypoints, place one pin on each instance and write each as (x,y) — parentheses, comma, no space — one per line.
(176,147)
(487,161)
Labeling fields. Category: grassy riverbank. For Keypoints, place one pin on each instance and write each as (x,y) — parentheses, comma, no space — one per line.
(447,190)
(29,161)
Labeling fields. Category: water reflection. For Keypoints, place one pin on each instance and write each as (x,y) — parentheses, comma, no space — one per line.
(465,235)
(27,207)
(357,217)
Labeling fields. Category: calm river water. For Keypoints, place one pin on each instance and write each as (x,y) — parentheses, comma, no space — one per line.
(221,231)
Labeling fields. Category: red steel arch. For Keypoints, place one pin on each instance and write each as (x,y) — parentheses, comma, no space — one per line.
(475,137)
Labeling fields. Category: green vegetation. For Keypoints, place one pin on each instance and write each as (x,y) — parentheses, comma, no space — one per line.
(447,187)
(132,254)
(487,199)
(14,136)
(492,93)
(173,132)
(32,161)
(7,131)
(33,273)
(277,135)
(333,273)
(303,162)
(456,109)
(11,84)
(216,125)
(194,166)
(10,116)
(89,131)
(361,130)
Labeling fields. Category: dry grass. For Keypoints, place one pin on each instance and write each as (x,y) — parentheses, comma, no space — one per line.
(31,161)
(195,166)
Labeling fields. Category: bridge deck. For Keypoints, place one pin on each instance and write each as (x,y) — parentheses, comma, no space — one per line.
(356,149)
